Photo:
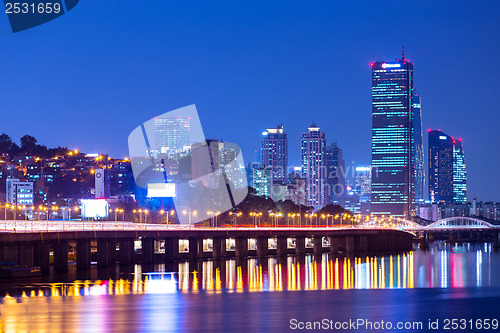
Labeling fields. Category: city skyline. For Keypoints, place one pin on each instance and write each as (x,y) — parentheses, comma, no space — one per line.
(267,86)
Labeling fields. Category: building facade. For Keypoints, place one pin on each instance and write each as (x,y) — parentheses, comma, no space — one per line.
(459,173)
(440,167)
(313,148)
(393,162)
(335,172)
(418,146)
(447,171)
(171,136)
(274,152)
(19,193)
(260,178)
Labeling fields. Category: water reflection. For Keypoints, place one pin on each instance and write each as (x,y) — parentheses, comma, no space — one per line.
(444,266)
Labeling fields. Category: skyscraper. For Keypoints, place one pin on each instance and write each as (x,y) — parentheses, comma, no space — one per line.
(363,180)
(335,172)
(313,147)
(459,173)
(171,135)
(260,178)
(274,152)
(440,167)
(393,175)
(418,145)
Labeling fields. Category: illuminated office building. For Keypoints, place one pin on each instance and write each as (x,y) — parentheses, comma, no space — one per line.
(274,152)
(459,173)
(418,145)
(313,147)
(171,136)
(335,172)
(440,167)
(393,162)
(447,171)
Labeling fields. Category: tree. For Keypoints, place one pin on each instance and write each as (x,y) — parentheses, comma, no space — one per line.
(333,210)
(5,143)
(28,144)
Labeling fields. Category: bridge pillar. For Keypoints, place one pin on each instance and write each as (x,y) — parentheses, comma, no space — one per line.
(26,255)
(334,245)
(61,256)
(171,249)
(106,252)
(217,247)
(126,253)
(42,256)
(300,246)
(82,254)
(318,244)
(193,249)
(9,253)
(241,247)
(282,246)
(148,250)
(424,241)
(363,245)
(262,247)
(349,245)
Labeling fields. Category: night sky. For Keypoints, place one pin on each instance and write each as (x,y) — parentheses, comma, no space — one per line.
(87,79)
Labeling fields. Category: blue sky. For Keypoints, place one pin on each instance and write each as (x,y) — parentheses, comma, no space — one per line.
(90,77)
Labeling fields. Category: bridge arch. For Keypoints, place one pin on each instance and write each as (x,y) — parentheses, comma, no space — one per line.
(460,222)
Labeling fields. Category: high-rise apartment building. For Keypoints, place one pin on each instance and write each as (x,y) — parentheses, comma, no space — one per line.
(274,152)
(260,178)
(393,128)
(313,148)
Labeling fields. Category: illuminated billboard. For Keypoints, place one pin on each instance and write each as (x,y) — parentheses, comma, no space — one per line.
(161,190)
(386,65)
(94,208)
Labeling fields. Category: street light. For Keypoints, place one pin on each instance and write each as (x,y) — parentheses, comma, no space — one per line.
(189,213)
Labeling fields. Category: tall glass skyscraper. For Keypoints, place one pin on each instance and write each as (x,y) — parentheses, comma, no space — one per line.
(418,144)
(447,172)
(312,153)
(459,173)
(274,152)
(393,151)
(440,167)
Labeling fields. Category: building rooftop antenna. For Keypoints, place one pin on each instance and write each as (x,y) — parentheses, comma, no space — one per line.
(403,53)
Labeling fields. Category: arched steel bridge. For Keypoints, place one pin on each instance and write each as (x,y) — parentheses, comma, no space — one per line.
(446,224)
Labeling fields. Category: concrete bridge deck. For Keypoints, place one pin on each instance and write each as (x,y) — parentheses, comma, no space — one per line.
(29,244)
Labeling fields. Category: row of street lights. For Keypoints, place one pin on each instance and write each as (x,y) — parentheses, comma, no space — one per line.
(168,215)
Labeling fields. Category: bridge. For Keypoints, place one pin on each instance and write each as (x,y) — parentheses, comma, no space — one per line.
(30,243)
(446,224)
(450,229)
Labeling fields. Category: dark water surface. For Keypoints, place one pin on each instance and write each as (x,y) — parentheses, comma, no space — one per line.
(458,281)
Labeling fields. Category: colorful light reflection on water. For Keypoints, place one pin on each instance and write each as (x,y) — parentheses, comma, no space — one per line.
(445,266)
